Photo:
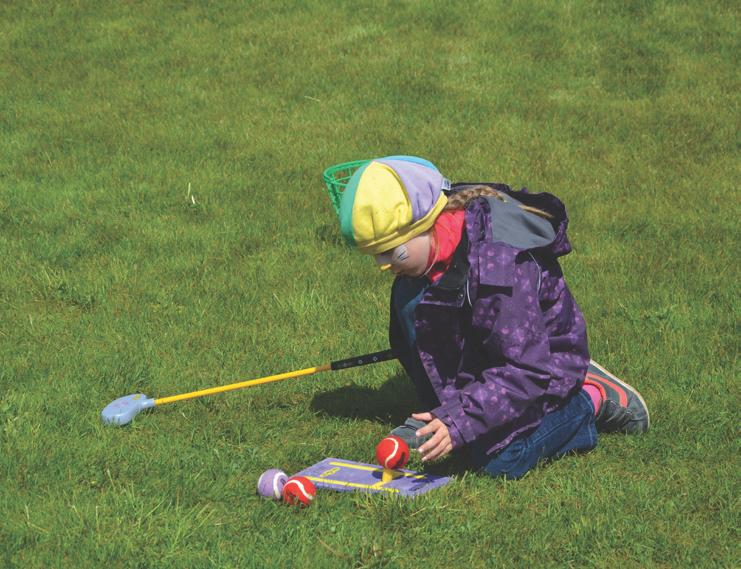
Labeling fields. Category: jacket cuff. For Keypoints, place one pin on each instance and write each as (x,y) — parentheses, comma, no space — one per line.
(452,415)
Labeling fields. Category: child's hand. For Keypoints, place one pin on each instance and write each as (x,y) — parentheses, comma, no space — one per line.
(440,444)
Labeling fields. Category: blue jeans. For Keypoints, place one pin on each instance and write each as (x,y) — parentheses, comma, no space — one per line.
(405,296)
(568,429)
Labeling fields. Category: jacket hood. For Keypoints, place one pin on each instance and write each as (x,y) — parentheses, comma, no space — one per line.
(521,229)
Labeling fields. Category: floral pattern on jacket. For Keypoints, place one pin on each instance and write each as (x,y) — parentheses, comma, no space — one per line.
(501,340)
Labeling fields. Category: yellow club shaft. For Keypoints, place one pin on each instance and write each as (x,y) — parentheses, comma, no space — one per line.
(242,384)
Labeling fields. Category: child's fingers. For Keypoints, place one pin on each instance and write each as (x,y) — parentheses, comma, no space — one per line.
(439,444)
(437,447)
(426,417)
(440,450)
(430,445)
(431,427)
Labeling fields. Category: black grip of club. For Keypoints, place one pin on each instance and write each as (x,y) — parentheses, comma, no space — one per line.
(373,358)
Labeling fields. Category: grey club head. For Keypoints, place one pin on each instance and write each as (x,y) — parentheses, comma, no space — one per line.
(123,410)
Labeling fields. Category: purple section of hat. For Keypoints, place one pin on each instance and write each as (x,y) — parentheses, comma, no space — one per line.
(422,184)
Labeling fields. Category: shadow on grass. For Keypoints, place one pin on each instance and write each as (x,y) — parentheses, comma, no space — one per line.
(392,403)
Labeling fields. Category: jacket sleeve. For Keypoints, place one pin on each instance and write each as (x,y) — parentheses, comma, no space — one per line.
(510,325)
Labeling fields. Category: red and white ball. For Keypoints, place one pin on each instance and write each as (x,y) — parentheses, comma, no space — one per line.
(392,452)
(299,491)
(271,483)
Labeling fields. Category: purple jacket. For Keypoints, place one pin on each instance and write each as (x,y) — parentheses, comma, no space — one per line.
(500,337)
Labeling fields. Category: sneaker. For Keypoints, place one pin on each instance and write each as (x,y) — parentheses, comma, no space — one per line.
(407,431)
(623,409)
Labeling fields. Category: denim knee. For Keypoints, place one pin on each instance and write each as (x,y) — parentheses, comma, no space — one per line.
(569,429)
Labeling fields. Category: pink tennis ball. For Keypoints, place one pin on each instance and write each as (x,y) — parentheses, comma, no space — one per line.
(392,452)
(271,482)
(299,491)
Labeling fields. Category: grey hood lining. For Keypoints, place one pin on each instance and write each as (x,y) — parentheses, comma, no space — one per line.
(514,226)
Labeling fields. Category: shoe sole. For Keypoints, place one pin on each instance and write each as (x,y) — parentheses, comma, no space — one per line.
(626,387)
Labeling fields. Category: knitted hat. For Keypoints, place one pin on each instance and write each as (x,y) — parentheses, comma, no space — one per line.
(390,200)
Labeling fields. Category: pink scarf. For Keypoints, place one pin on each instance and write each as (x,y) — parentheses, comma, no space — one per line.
(447,233)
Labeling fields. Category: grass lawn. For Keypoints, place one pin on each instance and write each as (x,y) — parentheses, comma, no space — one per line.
(164,227)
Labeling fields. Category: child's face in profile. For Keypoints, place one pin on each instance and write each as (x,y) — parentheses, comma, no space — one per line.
(409,259)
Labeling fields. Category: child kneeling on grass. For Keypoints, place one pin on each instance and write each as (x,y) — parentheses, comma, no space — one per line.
(482,319)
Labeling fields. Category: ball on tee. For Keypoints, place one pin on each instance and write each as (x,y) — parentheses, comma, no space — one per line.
(392,452)
(299,491)
(271,482)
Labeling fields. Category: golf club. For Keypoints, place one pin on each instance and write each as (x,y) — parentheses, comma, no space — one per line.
(123,410)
